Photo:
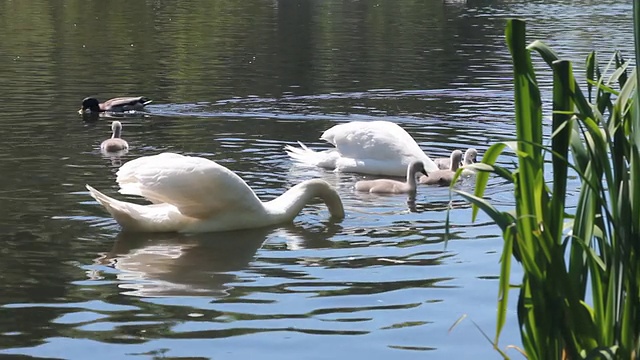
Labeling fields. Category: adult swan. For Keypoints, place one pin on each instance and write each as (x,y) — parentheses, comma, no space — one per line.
(367,147)
(193,194)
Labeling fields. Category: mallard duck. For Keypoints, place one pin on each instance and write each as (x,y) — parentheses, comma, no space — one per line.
(119,104)
(115,143)
(394,186)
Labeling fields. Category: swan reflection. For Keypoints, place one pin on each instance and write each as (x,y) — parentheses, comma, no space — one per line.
(153,265)
(114,157)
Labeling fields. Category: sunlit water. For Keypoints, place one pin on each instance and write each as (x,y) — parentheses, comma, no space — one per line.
(236,83)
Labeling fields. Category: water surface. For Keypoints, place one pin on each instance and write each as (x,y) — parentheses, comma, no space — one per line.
(235,82)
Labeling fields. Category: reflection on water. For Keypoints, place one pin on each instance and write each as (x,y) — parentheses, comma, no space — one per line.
(198,264)
(92,117)
(235,82)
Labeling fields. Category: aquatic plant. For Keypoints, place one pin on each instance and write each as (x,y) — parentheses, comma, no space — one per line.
(579,297)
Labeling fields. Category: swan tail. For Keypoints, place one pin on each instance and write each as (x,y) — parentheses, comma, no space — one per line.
(304,155)
(121,211)
(143,218)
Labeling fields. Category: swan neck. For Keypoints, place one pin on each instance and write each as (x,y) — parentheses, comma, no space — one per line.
(411,179)
(455,165)
(117,130)
(455,162)
(288,205)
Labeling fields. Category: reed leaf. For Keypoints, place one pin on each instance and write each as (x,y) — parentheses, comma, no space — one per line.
(564,249)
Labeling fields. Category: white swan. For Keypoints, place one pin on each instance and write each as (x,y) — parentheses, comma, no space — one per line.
(193,194)
(470,157)
(368,147)
(443,177)
(115,144)
(394,186)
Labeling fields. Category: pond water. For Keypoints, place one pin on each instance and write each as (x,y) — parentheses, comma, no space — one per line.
(235,82)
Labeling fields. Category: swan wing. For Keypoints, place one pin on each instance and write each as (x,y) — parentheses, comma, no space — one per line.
(198,187)
(374,140)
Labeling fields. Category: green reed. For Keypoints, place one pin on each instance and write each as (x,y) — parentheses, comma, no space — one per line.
(579,297)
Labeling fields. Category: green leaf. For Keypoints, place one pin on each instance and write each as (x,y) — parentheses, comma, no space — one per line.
(482,178)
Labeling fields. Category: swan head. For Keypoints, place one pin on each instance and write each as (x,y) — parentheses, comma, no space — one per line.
(470,156)
(415,167)
(328,194)
(90,104)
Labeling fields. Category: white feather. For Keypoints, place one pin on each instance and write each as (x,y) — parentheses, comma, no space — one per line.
(368,147)
(192,194)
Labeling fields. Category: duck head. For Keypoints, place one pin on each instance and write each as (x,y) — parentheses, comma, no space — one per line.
(90,105)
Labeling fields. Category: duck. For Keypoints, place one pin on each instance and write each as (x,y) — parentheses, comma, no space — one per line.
(190,194)
(389,186)
(367,147)
(115,144)
(443,177)
(119,104)
(470,157)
